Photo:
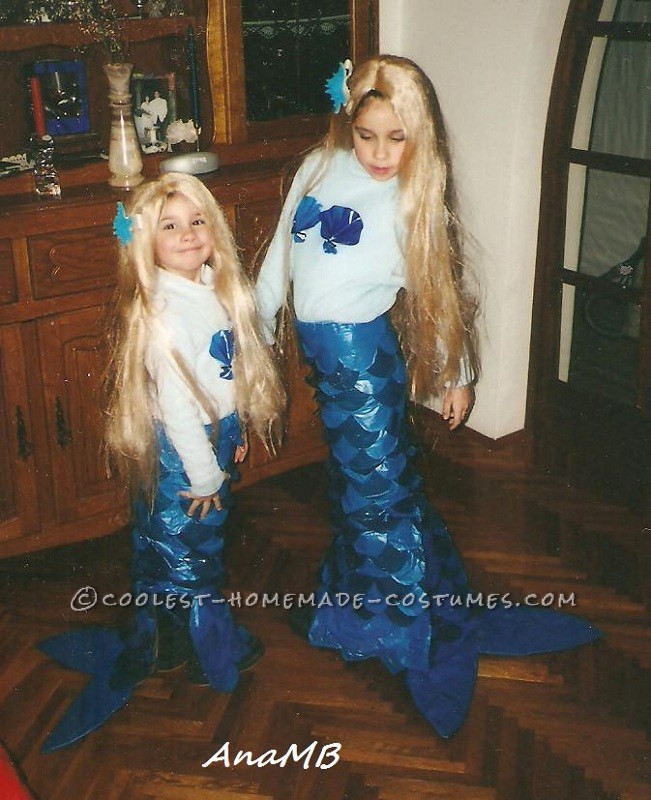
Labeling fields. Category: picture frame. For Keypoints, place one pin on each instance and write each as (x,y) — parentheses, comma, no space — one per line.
(154,108)
(58,95)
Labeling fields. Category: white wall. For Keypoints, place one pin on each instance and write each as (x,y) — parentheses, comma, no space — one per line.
(491,62)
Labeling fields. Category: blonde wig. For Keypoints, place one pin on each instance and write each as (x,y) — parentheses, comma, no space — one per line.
(434,316)
(260,397)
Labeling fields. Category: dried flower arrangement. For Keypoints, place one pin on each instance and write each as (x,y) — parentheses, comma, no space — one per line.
(100,20)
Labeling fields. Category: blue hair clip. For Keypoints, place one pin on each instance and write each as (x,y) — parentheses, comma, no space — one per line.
(122,225)
(337,85)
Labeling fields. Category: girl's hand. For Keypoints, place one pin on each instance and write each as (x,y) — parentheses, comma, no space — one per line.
(205,502)
(457,405)
(241,450)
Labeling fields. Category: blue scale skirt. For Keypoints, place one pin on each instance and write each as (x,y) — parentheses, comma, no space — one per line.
(177,564)
(180,557)
(391,554)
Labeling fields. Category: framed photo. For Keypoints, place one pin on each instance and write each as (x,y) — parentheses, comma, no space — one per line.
(154,107)
(58,95)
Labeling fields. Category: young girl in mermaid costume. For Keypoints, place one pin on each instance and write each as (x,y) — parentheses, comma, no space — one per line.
(190,372)
(368,246)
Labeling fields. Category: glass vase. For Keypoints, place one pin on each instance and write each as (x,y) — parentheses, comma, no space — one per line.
(125,158)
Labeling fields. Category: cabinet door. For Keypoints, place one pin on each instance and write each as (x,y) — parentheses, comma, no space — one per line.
(73,357)
(18,506)
(268,62)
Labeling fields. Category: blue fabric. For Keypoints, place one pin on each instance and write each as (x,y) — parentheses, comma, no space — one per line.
(392,547)
(93,651)
(176,555)
(175,558)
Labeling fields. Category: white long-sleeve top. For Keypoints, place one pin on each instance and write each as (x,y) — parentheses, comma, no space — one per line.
(343,243)
(187,316)
(351,282)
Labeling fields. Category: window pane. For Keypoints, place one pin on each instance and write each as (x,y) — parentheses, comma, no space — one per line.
(290,49)
(633,11)
(604,345)
(605,224)
(614,113)
(604,238)
(622,116)
(625,11)
(614,225)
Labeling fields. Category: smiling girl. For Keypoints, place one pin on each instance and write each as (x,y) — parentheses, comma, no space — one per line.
(190,372)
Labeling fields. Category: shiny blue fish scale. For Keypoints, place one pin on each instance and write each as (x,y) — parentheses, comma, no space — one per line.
(392,393)
(388,539)
(351,400)
(383,364)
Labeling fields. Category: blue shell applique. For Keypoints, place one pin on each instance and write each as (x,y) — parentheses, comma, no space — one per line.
(340,225)
(221,349)
(307,215)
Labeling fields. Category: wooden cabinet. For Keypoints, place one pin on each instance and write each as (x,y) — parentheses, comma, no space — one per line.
(73,353)
(19,511)
(53,482)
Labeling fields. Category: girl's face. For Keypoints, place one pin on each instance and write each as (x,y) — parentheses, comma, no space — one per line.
(379,139)
(183,240)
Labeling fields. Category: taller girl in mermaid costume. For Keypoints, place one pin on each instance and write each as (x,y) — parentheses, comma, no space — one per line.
(368,245)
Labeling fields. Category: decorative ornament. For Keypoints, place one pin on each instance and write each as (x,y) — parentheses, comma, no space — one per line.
(180,131)
(122,225)
(337,86)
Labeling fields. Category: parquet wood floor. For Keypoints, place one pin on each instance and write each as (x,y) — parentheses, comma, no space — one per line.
(572,725)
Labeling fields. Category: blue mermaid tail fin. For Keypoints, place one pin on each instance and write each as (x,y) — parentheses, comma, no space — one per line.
(87,712)
(522,631)
(443,693)
(86,650)
(94,652)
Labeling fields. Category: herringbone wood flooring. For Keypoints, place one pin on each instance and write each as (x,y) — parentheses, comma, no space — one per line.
(565,726)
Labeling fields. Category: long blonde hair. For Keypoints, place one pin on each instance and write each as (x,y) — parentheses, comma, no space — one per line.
(434,316)
(259,394)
